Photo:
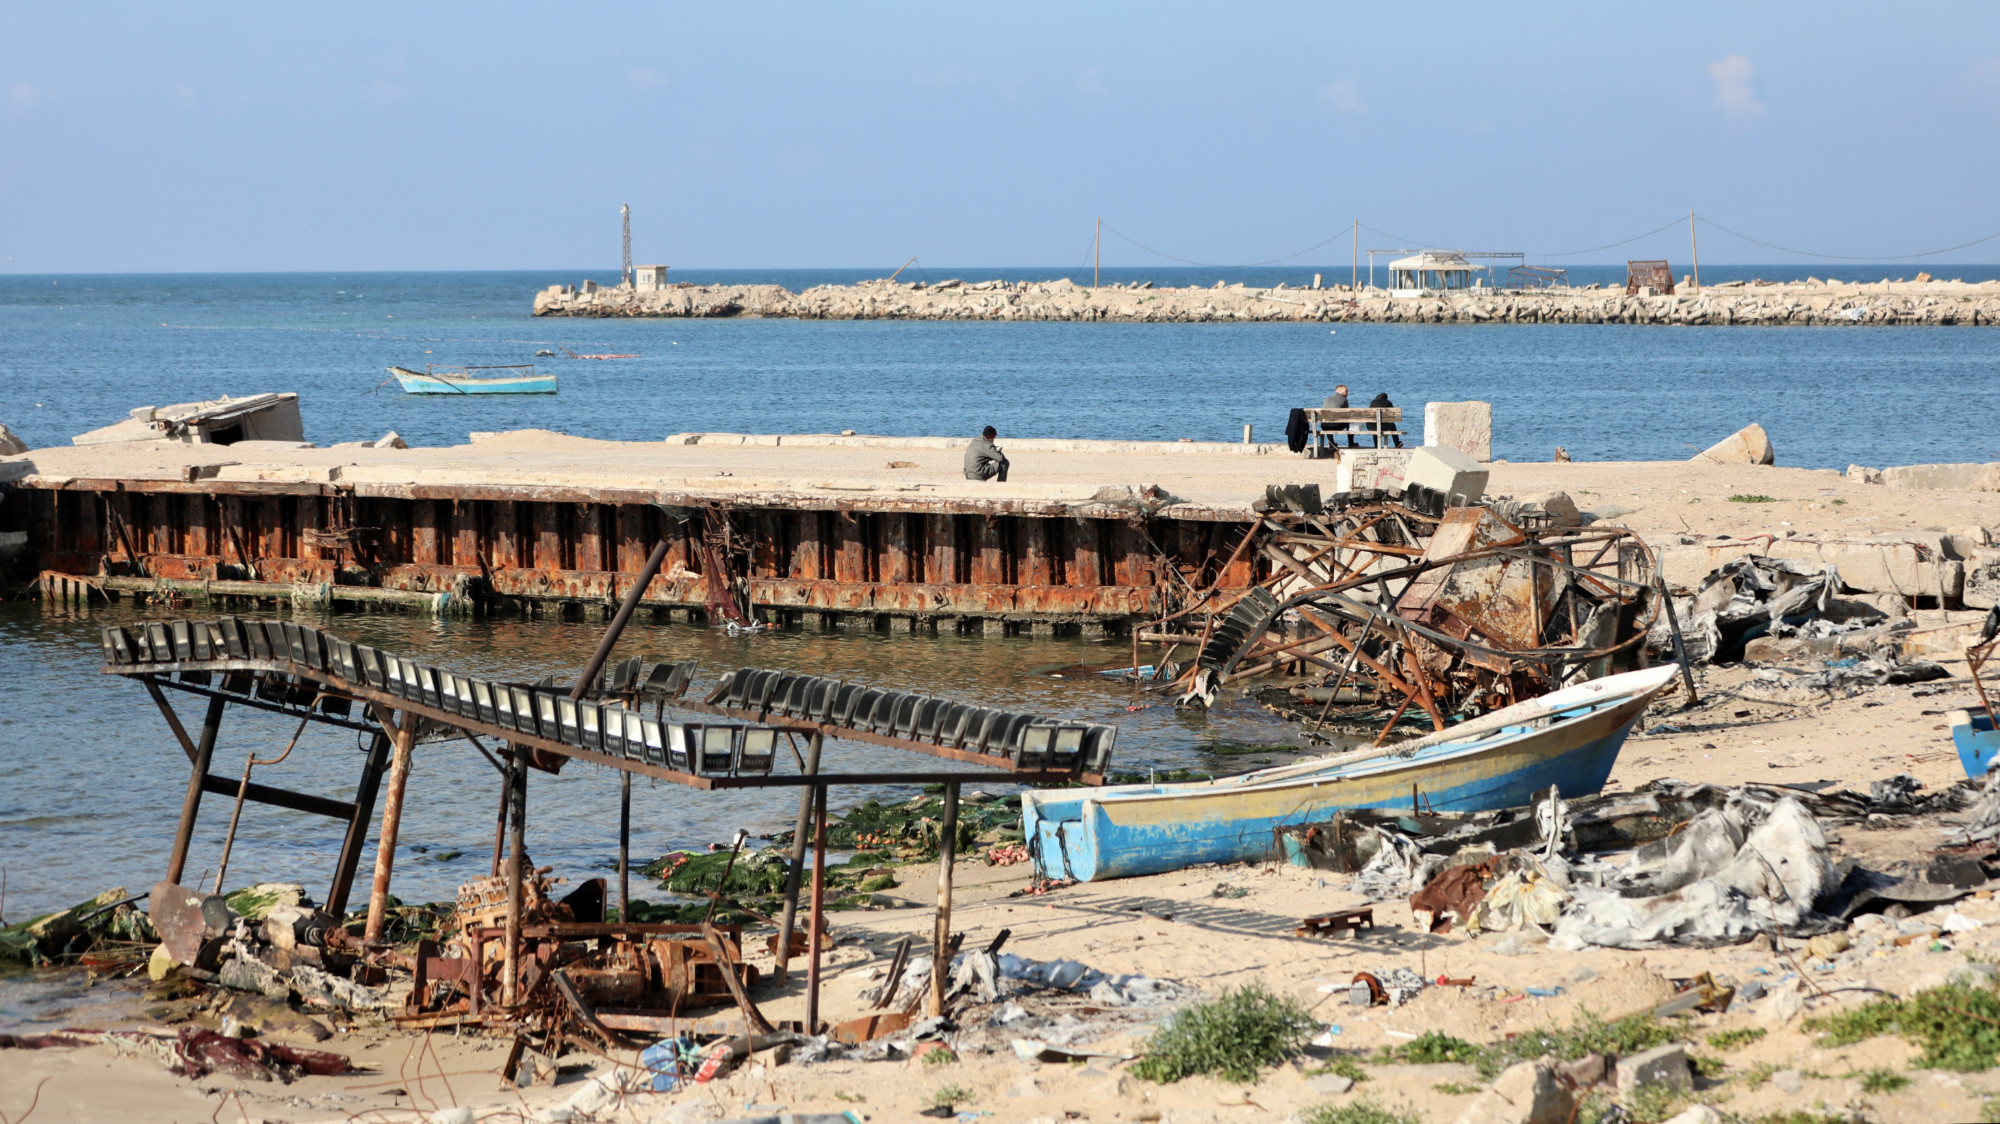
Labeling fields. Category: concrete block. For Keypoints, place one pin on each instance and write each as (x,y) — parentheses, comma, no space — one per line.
(11,445)
(1661,1065)
(1749,445)
(1945,477)
(1458,477)
(1465,426)
(1861,474)
(1528,1093)
(1909,565)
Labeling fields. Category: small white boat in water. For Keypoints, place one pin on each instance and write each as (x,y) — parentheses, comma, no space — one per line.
(518,379)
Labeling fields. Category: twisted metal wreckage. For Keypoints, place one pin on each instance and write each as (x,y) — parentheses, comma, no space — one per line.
(1455,611)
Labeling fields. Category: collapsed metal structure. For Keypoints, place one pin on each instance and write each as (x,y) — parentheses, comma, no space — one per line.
(522,959)
(1453,611)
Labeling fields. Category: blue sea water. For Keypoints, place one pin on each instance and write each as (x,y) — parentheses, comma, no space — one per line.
(82,350)
(90,782)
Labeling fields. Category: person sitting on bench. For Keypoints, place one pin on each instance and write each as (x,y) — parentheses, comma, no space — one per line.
(1338,401)
(1381,402)
(984,460)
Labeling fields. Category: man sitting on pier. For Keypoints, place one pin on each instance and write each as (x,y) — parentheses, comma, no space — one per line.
(1338,401)
(1381,402)
(984,460)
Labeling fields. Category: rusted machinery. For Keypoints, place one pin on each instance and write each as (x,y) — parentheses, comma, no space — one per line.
(1454,611)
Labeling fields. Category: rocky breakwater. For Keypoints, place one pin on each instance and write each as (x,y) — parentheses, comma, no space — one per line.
(1753,303)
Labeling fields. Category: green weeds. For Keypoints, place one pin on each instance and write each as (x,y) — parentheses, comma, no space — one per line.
(948,1095)
(1233,1036)
(1881,1080)
(1431,1047)
(1363,1111)
(1753,498)
(1342,1064)
(1957,1025)
(1735,1039)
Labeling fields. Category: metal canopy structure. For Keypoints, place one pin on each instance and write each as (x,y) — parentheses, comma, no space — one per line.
(300,672)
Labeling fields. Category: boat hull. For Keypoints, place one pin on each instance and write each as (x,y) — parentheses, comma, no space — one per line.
(1977,741)
(416,382)
(1089,837)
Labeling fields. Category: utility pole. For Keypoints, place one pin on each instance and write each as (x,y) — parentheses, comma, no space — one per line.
(1097,265)
(1354,279)
(1694,251)
(625,274)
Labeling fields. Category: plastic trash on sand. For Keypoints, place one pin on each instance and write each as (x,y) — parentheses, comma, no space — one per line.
(1767,883)
(1519,898)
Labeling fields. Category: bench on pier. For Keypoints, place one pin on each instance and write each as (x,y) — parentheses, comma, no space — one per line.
(1325,427)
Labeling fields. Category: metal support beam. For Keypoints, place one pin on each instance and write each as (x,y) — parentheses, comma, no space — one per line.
(801,832)
(517,860)
(357,825)
(617,625)
(625,847)
(941,938)
(204,752)
(405,736)
(817,930)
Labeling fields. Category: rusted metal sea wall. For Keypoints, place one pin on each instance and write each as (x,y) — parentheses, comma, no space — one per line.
(577,551)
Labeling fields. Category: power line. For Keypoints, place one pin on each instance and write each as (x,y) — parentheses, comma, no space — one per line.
(1672,222)
(1214,265)
(1845,257)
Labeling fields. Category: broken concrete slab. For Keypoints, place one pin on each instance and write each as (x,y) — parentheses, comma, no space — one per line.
(1945,477)
(1662,1065)
(1749,445)
(1464,426)
(1528,1093)
(10,444)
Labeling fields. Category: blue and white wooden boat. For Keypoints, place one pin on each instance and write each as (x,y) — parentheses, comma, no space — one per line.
(520,379)
(1568,739)
(1978,742)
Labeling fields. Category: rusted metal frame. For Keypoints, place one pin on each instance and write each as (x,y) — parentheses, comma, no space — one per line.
(1268,661)
(996,766)
(517,826)
(612,630)
(720,952)
(252,701)
(817,928)
(242,791)
(167,711)
(1353,647)
(404,735)
(1680,642)
(356,838)
(1425,697)
(845,733)
(123,534)
(204,753)
(280,798)
(941,933)
(1553,657)
(625,845)
(795,872)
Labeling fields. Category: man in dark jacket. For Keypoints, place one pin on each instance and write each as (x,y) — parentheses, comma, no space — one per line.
(984,460)
(1381,402)
(1338,401)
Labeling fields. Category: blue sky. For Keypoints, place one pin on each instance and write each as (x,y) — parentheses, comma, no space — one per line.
(498,136)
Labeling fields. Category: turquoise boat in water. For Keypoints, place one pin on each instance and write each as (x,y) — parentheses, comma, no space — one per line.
(1568,739)
(469,380)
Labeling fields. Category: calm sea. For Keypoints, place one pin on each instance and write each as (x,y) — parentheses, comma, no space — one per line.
(90,781)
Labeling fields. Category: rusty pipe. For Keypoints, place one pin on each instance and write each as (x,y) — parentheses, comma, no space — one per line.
(625,609)
(243,790)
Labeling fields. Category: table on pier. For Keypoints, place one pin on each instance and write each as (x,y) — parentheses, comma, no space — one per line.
(1325,427)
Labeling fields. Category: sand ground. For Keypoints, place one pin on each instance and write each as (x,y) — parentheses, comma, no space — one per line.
(1176,927)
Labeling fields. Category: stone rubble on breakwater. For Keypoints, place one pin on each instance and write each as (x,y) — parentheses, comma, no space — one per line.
(1734,302)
